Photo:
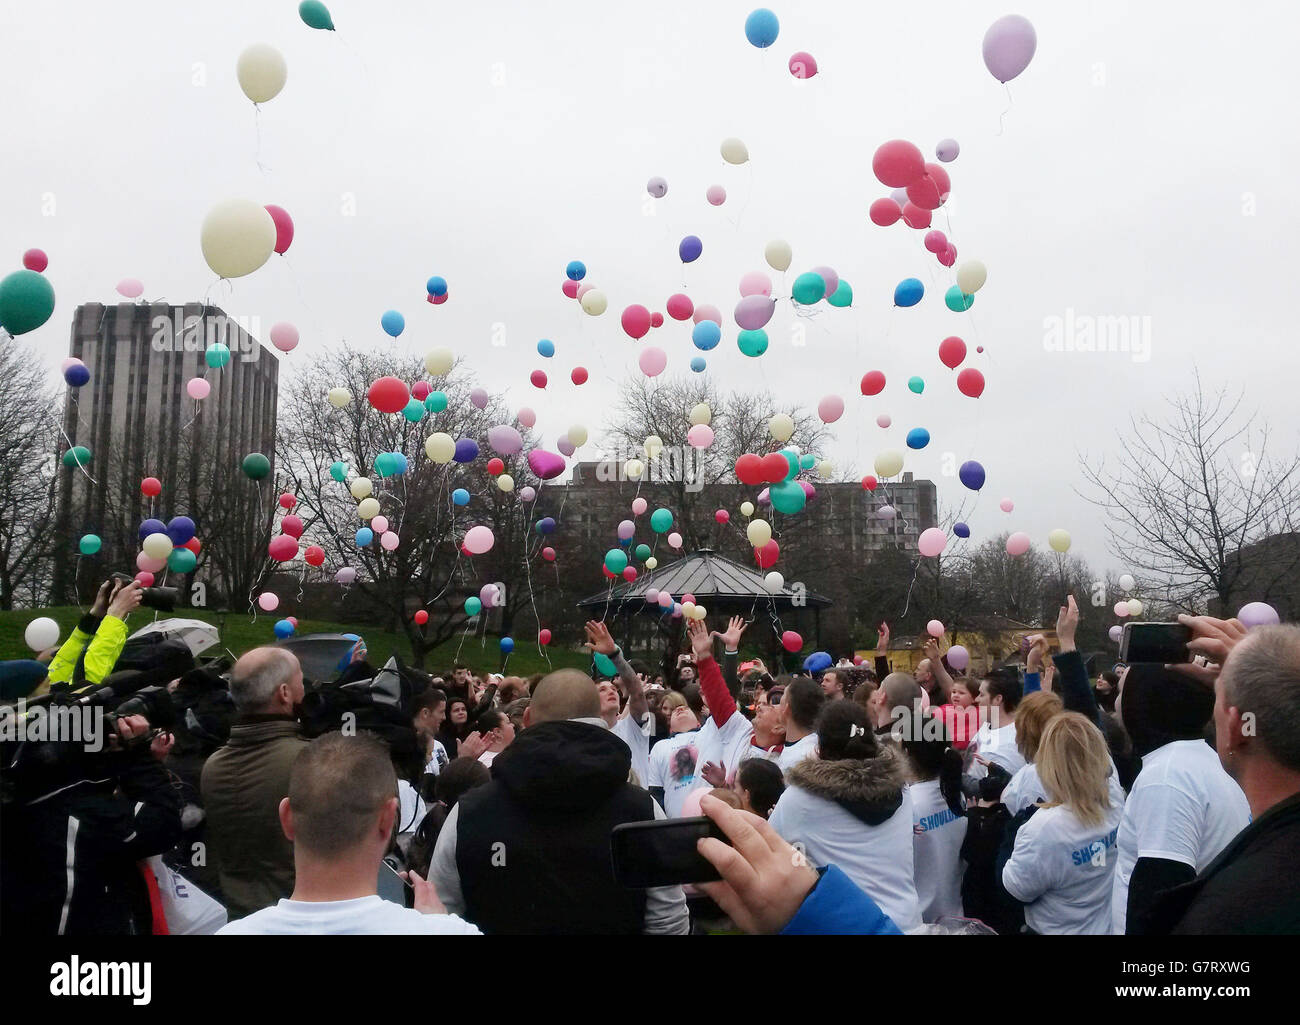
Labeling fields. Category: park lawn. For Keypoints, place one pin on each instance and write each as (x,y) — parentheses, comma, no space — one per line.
(239,634)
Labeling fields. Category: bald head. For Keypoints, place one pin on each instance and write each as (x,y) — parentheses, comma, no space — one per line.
(563,694)
(900,689)
(1262,678)
(266,681)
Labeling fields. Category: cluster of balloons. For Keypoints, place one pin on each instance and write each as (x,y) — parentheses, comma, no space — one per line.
(436,290)
(591,299)
(173,546)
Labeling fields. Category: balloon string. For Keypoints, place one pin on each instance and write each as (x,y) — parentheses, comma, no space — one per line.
(73,449)
(1010,103)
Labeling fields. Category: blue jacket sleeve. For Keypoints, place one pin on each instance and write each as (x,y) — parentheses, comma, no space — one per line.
(1033,684)
(836,907)
(1076,691)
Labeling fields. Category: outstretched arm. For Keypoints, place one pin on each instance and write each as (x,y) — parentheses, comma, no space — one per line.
(722,706)
(599,639)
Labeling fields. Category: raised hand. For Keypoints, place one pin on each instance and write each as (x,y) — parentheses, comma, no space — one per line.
(126,600)
(882,639)
(1067,622)
(107,591)
(731,638)
(701,639)
(714,774)
(1213,638)
(599,639)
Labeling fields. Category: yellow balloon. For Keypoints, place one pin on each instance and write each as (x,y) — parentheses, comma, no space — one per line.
(759,533)
(157,546)
(1059,540)
(688,609)
(368,509)
(746,508)
(261,72)
(361,488)
(651,562)
(440,447)
(971,276)
(577,435)
(701,414)
(734,151)
(339,397)
(439,361)
(653,446)
(594,302)
(634,468)
(778,254)
(781,426)
(237,237)
(888,463)
(700,612)
(505,482)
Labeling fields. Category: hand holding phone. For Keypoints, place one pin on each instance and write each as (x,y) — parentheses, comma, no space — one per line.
(663,852)
(1165,643)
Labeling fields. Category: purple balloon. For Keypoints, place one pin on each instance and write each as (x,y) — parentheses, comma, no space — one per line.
(626,529)
(345,575)
(657,187)
(152,527)
(1009,46)
(830,277)
(690,249)
(527,493)
(466,450)
(947,151)
(754,311)
(566,447)
(764,497)
(488,595)
(505,440)
(1257,613)
(180,529)
(899,196)
(479,397)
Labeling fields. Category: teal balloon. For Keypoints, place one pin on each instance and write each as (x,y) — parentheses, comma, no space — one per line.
(809,288)
(842,296)
(788,497)
(217,356)
(792,461)
(182,560)
(76,456)
(436,401)
(916,384)
(386,463)
(752,343)
(661,520)
(339,471)
(473,606)
(808,462)
(616,560)
(91,543)
(957,300)
(315,15)
(643,552)
(606,667)
(26,301)
(256,466)
(414,411)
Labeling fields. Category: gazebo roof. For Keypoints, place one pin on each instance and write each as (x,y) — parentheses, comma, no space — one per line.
(716,582)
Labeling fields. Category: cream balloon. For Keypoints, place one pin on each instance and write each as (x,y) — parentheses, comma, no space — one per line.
(701,414)
(759,533)
(368,509)
(746,508)
(781,426)
(734,151)
(157,546)
(237,237)
(439,361)
(440,447)
(700,612)
(888,463)
(339,397)
(778,254)
(505,482)
(688,609)
(653,446)
(1134,607)
(594,302)
(651,562)
(577,435)
(361,488)
(634,468)
(261,72)
(1059,540)
(971,276)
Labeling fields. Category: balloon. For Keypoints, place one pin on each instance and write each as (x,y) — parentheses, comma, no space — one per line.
(145,579)
(781,426)
(361,488)
(26,301)
(217,356)
(957,300)
(700,436)
(78,455)
(971,276)
(869,482)
(970,382)
(339,397)
(41,633)
(151,487)
(842,296)
(915,216)
(1121,609)
(368,509)
(971,474)
(1018,544)
(148,563)
(1009,46)
(930,191)
(759,532)
(638,506)
(182,560)
(884,212)
(776,467)
(392,322)
(1059,540)
(915,385)
(918,437)
(746,508)
(389,541)
(657,187)
(898,163)
(1258,613)
(576,270)
(734,152)
(651,562)
(636,321)
(546,465)
(466,450)
(947,151)
(538,378)
(690,248)
(345,575)
(284,337)
(809,288)
(958,657)
(652,361)
(888,464)
(548,554)
(414,411)
(314,555)
(282,548)
(261,72)
(791,641)
(749,469)
(616,560)
(35,259)
(830,409)
(315,15)
(237,237)
(579,375)
(908,292)
(1127,582)
(479,540)
(594,303)
(680,307)
(339,471)
(952,351)
(283,228)
(661,520)
(873,382)
(935,241)
(546,347)
(752,313)
(1115,633)
(180,529)
(1134,607)
(89,544)
(478,398)
(543,636)
(752,343)
(157,545)
(438,362)
(131,288)
(722,516)
(883,420)
(706,312)
(948,256)
(1006,505)
(803,65)
(77,375)
(778,254)
(788,497)
(931,542)
(829,277)
(961,530)
(460,496)
(934,628)
(761,28)
(256,466)
(716,195)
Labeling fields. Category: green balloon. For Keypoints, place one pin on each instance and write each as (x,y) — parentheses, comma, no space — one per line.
(217,356)
(78,456)
(473,606)
(604,664)
(752,343)
(916,384)
(788,497)
(616,560)
(414,411)
(339,471)
(809,288)
(793,461)
(386,463)
(182,560)
(661,520)
(643,552)
(256,466)
(843,295)
(90,544)
(436,401)
(315,15)
(957,300)
(26,301)
(808,462)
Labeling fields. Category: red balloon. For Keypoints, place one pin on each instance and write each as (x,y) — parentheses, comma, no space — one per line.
(970,382)
(869,482)
(282,548)
(571,288)
(144,576)
(283,227)
(287,501)
(915,217)
(438,300)
(749,469)
(315,556)
(496,466)
(791,641)
(421,617)
(293,620)
(898,163)
(543,636)
(884,212)
(151,486)
(605,570)
(538,377)
(951,352)
(930,191)
(656,320)
(193,545)
(579,375)
(292,525)
(775,468)
(421,390)
(935,241)
(722,516)
(636,321)
(949,255)
(767,555)
(35,259)
(548,554)
(629,573)
(680,307)
(389,395)
(873,382)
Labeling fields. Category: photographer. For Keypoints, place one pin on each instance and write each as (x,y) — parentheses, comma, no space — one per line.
(97,641)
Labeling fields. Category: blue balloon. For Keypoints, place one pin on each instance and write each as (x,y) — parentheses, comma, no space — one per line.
(706,335)
(403,464)
(698,364)
(576,271)
(436,286)
(77,375)
(546,348)
(283,629)
(507,645)
(961,530)
(761,28)
(364,536)
(152,527)
(546,525)
(393,323)
(918,437)
(971,474)
(908,292)
(817,662)
(180,529)
(460,496)
(466,450)
(690,248)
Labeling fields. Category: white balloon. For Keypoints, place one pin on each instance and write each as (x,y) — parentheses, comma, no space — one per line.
(774,582)
(439,361)
(261,72)
(41,633)
(237,237)
(594,302)
(778,254)
(339,397)
(734,151)
(971,276)
(1126,582)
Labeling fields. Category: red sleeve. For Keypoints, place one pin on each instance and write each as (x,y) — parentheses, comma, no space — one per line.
(722,706)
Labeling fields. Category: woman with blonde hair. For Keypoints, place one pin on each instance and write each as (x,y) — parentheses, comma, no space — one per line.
(1063,863)
(1032,717)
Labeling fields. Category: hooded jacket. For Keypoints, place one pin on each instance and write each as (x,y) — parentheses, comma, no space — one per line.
(1159,706)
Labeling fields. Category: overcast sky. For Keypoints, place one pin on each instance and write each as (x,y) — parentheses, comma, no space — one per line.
(1142,170)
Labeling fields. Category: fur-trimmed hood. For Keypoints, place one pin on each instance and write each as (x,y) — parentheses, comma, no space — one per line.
(869,789)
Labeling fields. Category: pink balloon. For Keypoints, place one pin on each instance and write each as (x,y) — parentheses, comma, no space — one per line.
(931,542)
(268,602)
(1018,544)
(149,565)
(949,255)
(198,389)
(35,259)
(131,288)
(566,447)
(883,420)
(700,436)
(570,288)
(379,524)
(915,216)
(803,65)
(722,516)
(284,337)
(639,506)
(479,397)
(282,548)
(884,212)
(716,195)
(674,540)
(830,277)
(898,163)
(809,491)
(665,600)
(505,440)
(527,493)
(931,190)
(636,321)
(934,628)
(283,227)
(652,361)
(1006,505)
(936,241)
(526,417)
(755,283)
(1121,607)
(293,526)
(146,579)
(583,288)
(707,313)
(546,465)
(680,306)
(754,311)
(479,540)
(691,804)
(830,409)
(68,361)
(389,540)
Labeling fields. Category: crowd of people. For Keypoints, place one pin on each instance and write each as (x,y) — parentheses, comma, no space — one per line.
(240,798)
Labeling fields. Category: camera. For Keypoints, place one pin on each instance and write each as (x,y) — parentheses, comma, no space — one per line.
(162,599)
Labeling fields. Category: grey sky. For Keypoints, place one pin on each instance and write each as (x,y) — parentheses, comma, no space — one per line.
(1143,169)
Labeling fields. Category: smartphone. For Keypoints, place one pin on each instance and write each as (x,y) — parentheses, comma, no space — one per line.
(1154,642)
(662,852)
(389,865)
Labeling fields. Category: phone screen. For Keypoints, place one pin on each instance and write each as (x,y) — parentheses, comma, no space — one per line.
(662,853)
(1155,642)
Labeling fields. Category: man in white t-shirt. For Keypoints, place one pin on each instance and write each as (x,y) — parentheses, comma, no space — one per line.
(633,724)
(341,815)
(801,703)
(995,743)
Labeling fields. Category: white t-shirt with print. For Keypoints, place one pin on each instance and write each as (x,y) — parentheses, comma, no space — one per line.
(937,835)
(674,765)
(412,809)
(1026,788)
(793,754)
(362,916)
(633,734)
(998,746)
(437,760)
(1182,807)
